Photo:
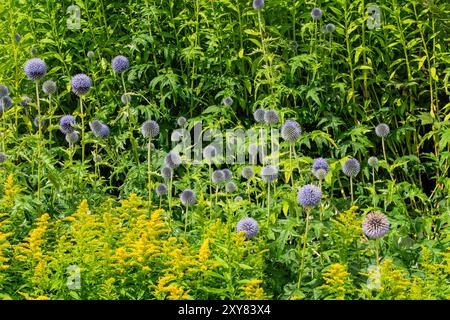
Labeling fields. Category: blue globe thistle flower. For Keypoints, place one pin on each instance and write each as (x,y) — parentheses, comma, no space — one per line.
(35,69)
(290,131)
(209,153)
(320,174)
(5,103)
(104,131)
(187,197)
(3,157)
(172,160)
(269,173)
(150,129)
(36,121)
(309,195)
(351,167)
(161,189)
(90,54)
(217,176)
(72,137)
(230,187)
(228,101)
(81,84)
(181,121)
(228,175)
(271,117)
(17,37)
(120,64)
(167,173)
(258,4)
(320,163)
(95,126)
(49,87)
(382,130)
(375,225)
(258,115)
(66,124)
(126,98)
(4,91)
(25,101)
(373,161)
(249,226)
(247,172)
(316,13)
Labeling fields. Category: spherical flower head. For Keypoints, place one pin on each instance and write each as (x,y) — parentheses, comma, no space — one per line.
(126,98)
(90,54)
(309,195)
(375,225)
(217,176)
(320,174)
(25,101)
(161,189)
(351,167)
(49,87)
(228,101)
(187,197)
(247,172)
(228,175)
(316,13)
(36,121)
(72,137)
(258,115)
(271,117)
(150,129)
(97,158)
(209,153)
(238,199)
(167,173)
(4,91)
(249,226)
(3,157)
(230,187)
(81,84)
(17,37)
(95,126)
(320,163)
(330,28)
(181,121)
(373,161)
(33,51)
(172,160)
(269,173)
(66,124)
(5,103)
(290,131)
(35,69)
(382,130)
(120,64)
(104,131)
(253,149)
(258,4)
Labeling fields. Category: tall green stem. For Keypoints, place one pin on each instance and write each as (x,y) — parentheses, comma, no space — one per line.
(305,239)
(39,141)
(149,172)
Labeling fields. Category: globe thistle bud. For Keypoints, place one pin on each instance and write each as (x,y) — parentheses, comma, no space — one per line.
(291,131)
(25,102)
(36,121)
(382,130)
(3,157)
(99,129)
(247,172)
(271,117)
(258,115)
(104,131)
(316,13)
(228,101)
(167,173)
(49,87)
(249,226)
(161,189)
(187,197)
(309,195)
(351,167)
(294,45)
(126,98)
(4,91)
(33,51)
(269,173)
(238,199)
(5,103)
(373,161)
(258,4)
(320,163)
(181,121)
(320,174)
(217,176)
(375,225)
(95,126)
(228,175)
(172,160)
(330,28)
(35,69)
(90,54)
(81,84)
(230,187)
(17,37)
(150,129)
(209,153)
(66,124)
(120,64)
(72,137)
(97,158)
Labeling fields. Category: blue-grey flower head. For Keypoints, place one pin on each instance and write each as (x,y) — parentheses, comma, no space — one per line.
(4,91)
(247,172)
(210,153)
(35,69)
(161,189)
(167,173)
(172,160)
(373,161)
(66,124)
(99,129)
(187,197)
(104,131)
(351,167)
(230,187)
(320,163)
(309,195)
(95,126)
(49,87)
(3,157)
(81,84)
(150,129)
(36,121)
(120,64)
(382,130)
(217,176)
(269,173)
(126,98)
(181,121)
(316,13)
(320,174)
(375,225)
(17,37)
(271,117)
(330,28)
(33,51)
(72,137)
(228,175)
(249,226)
(90,54)
(258,4)
(290,131)
(228,101)
(25,102)
(238,199)
(5,103)
(258,115)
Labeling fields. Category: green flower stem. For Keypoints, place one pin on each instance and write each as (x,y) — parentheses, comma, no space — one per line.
(149,172)
(351,188)
(38,143)
(305,239)
(186,220)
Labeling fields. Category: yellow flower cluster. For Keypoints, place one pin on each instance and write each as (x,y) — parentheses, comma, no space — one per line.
(337,282)
(253,291)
